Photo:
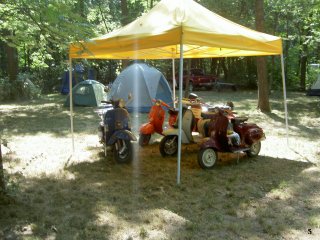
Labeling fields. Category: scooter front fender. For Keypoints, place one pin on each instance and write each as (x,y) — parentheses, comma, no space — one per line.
(121,134)
(211,143)
(175,132)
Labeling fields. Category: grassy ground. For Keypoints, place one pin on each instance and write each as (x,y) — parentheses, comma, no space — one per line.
(273,196)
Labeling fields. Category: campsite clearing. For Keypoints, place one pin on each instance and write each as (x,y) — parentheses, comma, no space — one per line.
(88,196)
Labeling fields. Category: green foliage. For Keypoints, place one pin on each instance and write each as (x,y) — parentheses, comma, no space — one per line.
(298,24)
(42,30)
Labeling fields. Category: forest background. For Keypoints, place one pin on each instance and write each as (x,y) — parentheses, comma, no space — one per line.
(35,36)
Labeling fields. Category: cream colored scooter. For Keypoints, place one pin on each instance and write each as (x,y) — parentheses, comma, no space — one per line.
(169,143)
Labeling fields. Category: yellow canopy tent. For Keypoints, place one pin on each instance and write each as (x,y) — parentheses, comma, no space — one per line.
(178,29)
(158,34)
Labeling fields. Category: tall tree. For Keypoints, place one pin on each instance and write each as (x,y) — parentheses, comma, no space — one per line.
(2,182)
(10,50)
(12,62)
(263,89)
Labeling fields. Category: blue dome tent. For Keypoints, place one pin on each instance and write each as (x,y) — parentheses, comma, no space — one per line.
(145,83)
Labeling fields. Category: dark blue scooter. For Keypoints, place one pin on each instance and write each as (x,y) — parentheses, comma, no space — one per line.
(115,130)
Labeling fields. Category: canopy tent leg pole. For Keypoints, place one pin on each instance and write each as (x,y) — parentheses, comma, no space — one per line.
(180,108)
(173,82)
(71,103)
(285,98)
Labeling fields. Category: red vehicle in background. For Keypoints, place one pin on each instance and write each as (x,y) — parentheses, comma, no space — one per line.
(198,79)
(156,120)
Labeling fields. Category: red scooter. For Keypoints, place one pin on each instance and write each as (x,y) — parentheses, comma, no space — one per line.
(217,140)
(156,120)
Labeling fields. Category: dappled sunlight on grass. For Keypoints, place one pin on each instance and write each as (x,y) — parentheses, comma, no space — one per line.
(88,196)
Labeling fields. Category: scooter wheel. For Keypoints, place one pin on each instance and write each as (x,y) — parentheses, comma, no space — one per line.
(144,139)
(207,158)
(254,149)
(168,145)
(122,151)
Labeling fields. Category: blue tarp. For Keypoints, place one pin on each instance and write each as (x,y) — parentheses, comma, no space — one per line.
(77,77)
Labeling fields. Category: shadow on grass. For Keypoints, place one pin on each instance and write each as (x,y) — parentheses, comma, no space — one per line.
(302,118)
(46,115)
(104,200)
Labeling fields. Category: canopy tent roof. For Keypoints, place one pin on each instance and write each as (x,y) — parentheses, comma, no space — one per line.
(158,34)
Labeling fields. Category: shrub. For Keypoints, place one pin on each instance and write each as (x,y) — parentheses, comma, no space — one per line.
(5,89)
(22,88)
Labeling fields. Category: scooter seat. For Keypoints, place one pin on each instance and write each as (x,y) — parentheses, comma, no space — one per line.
(238,120)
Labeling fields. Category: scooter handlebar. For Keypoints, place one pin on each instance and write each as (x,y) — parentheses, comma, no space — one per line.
(161,102)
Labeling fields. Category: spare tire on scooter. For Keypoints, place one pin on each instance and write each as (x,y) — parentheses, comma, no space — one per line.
(207,158)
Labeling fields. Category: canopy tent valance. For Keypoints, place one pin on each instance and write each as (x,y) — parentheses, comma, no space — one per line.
(157,35)
(179,29)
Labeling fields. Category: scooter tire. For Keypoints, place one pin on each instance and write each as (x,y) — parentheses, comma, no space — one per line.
(254,149)
(144,139)
(127,155)
(168,146)
(207,158)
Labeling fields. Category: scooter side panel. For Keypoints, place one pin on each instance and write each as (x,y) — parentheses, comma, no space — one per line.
(147,128)
(175,132)
(121,134)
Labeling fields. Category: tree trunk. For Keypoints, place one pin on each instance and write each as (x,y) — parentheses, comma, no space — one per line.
(304,62)
(2,182)
(224,68)
(3,67)
(303,71)
(263,89)
(213,66)
(12,61)
(151,4)
(186,92)
(81,7)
